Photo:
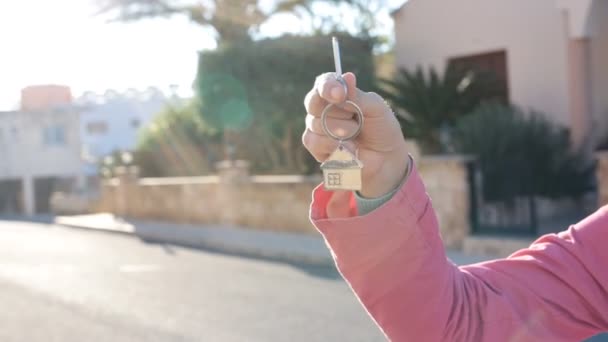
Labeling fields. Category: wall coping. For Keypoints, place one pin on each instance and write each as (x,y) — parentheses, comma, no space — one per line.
(283,179)
(259,179)
(111,182)
(152,181)
(230,164)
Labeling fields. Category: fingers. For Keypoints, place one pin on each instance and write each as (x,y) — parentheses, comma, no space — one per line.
(314,103)
(321,94)
(329,90)
(320,145)
(338,126)
(340,118)
(371,103)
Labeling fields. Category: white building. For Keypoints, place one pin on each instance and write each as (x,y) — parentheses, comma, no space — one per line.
(55,144)
(112,121)
(551,54)
(39,153)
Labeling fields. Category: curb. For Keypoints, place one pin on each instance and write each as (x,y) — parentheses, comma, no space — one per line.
(118,228)
(275,246)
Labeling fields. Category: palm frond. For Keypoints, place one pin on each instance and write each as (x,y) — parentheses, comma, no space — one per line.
(433,100)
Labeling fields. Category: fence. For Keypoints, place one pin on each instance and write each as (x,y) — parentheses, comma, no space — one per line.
(527,216)
(515,216)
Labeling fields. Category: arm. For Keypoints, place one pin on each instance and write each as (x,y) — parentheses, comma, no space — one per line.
(393,259)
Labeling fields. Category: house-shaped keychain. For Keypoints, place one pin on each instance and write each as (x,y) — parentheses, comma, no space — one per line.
(342,170)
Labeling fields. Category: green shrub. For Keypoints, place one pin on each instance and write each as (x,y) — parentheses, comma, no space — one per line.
(177,143)
(522,154)
(257,89)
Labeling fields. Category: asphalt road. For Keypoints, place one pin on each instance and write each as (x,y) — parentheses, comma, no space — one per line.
(61,284)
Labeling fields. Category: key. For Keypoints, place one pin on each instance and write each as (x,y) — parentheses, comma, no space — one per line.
(342,170)
(337,62)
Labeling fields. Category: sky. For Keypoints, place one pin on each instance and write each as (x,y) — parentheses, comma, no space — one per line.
(63,42)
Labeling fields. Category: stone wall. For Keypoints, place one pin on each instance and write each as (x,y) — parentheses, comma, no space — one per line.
(602,177)
(273,202)
(446,180)
(270,202)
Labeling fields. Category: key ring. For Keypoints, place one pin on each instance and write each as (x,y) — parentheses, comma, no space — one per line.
(338,64)
(332,134)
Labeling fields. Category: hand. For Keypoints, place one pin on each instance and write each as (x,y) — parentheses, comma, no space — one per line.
(380,144)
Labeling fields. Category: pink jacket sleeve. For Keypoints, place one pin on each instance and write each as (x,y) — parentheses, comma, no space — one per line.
(393,259)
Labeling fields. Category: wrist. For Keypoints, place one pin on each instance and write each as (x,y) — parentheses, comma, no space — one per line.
(389,175)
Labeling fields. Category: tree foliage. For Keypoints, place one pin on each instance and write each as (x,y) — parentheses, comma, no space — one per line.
(178,143)
(235,21)
(360,18)
(428,102)
(522,154)
(257,89)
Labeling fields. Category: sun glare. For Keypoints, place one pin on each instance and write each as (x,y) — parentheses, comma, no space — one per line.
(61,42)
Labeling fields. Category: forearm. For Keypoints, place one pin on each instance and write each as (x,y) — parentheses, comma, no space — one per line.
(394,260)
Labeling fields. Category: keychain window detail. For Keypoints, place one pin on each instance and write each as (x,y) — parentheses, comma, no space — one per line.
(334,179)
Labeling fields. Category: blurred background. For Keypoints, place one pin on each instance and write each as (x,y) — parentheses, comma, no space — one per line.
(177,123)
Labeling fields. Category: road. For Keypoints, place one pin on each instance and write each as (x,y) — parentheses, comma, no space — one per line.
(62,284)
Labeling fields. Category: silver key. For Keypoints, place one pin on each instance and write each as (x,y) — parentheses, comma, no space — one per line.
(337,62)
(342,170)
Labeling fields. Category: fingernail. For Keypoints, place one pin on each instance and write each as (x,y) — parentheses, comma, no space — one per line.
(335,93)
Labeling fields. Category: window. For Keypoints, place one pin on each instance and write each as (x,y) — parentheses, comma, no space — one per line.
(494,63)
(334,179)
(54,135)
(97,127)
(135,123)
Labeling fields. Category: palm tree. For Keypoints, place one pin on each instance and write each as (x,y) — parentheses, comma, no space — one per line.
(428,104)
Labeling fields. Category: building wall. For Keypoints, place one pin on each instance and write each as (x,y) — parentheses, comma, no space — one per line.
(123,114)
(40,150)
(429,32)
(598,31)
(602,178)
(24,150)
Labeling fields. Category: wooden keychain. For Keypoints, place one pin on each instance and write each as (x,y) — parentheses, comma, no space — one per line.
(342,170)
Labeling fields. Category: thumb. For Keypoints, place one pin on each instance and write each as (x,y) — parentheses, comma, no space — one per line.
(339,205)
